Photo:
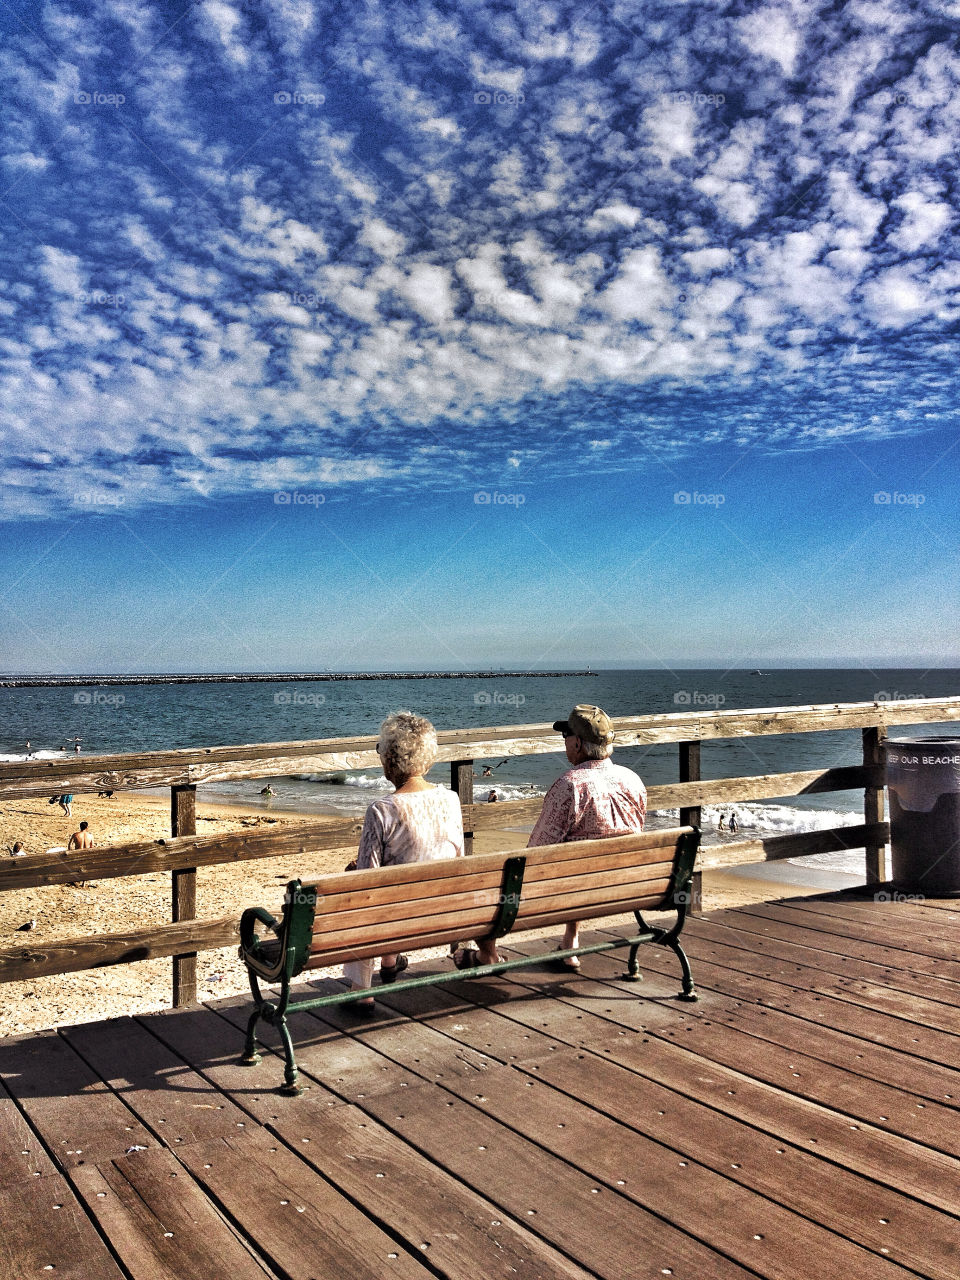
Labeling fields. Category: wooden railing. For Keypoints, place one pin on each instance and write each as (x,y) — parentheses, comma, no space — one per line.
(184,852)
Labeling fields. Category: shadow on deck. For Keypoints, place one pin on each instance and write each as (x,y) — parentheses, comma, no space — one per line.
(800,1121)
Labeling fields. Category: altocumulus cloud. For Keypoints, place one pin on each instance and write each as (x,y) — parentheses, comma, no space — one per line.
(261,246)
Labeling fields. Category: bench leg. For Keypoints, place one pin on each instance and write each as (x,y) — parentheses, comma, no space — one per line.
(290,1073)
(250,1055)
(633,973)
(689,991)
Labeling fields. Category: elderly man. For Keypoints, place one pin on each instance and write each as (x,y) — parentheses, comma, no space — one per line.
(593,799)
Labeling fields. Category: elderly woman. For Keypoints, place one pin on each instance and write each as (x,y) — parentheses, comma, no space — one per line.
(417,823)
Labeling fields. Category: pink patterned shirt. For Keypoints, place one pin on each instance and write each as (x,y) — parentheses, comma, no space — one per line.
(595,799)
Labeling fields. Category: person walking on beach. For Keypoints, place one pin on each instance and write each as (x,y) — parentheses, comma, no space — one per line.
(594,799)
(65,802)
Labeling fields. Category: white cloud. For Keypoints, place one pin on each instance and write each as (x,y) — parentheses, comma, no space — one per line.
(772,33)
(61,270)
(25,160)
(427,289)
(896,300)
(640,291)
(923,224)
(702,261)
(614,215)
(737,201)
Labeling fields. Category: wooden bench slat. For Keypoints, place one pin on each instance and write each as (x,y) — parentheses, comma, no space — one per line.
(381,902)
(644,845)
(475,919)
(546,920)
(484,899)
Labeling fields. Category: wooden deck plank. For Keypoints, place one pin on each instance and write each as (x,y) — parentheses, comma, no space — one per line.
(46,1232)
(81,1119)
(906,926)
(863,1099)
(770,964)
(174,1100)
(805,948)
(852,1015)
(840,1200)
(299,1221)
(943,904)
(712,1204)
(883,1156)
(349,1149)
(22,1157)
(159,1221)
(169,1097)
(607,1233)
(835,947)
(860,1058)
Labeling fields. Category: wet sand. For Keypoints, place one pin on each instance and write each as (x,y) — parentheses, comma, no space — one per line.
(63,911)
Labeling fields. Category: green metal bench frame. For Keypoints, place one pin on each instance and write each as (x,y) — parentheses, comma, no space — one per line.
(282,960)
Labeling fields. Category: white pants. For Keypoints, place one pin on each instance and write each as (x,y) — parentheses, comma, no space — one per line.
(359,973)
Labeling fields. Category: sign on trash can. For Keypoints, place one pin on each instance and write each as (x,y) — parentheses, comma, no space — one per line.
(923,779)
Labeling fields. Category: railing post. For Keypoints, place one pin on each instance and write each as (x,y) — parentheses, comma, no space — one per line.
(183,822)
(691,816)
(461,781)
(873,802)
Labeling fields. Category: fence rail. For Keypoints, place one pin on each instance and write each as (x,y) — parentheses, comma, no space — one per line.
(184,852)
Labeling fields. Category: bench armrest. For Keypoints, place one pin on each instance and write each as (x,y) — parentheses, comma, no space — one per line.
(250,918)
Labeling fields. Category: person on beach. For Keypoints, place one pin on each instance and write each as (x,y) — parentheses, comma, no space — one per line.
(81,839)
(723,818)
(594,799)
(734,824)
(417,823)
(18,851)
(65,802)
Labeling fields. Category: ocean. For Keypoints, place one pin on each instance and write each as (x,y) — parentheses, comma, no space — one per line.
(108,719)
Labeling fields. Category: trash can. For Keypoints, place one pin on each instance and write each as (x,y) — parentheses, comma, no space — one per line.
(923,778)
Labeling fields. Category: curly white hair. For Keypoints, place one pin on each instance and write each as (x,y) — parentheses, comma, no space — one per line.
(407,744)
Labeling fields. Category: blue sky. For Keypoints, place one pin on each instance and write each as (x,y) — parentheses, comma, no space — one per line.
(445,335)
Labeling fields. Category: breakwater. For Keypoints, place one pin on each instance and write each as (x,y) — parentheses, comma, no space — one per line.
(245,677)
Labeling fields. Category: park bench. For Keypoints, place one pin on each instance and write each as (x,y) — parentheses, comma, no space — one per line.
(358,914)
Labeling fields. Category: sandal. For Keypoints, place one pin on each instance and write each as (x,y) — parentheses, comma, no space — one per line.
(388,973)
(469,958)
(570,963)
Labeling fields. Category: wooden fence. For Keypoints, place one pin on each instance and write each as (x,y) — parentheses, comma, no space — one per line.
(184,852)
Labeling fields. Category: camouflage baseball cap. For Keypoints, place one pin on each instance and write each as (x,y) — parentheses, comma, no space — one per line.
(587,722)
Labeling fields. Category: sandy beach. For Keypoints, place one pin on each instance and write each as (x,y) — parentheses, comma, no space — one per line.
(64,911)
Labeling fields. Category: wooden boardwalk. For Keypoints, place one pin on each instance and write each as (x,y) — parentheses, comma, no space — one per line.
(802,1120)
